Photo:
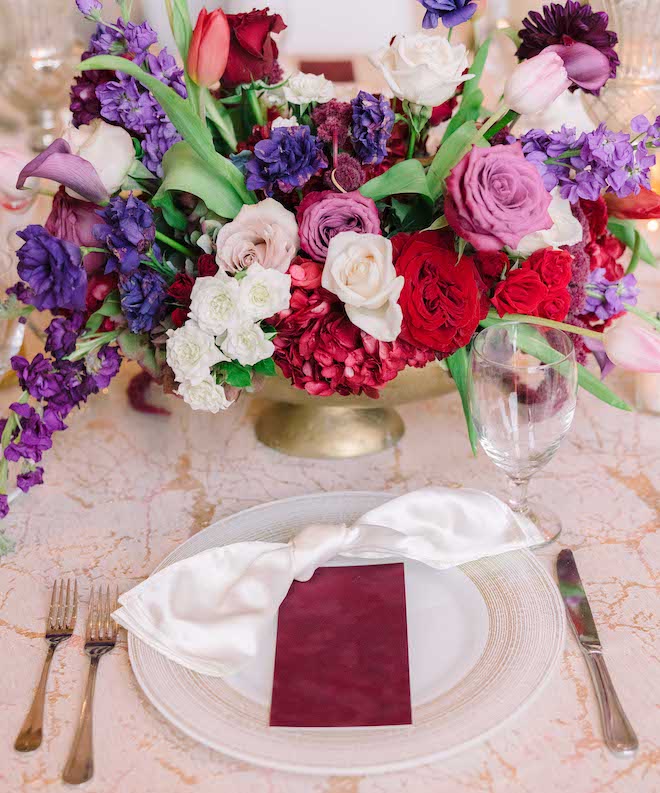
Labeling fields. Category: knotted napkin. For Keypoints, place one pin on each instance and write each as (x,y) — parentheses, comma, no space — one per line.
(208,612)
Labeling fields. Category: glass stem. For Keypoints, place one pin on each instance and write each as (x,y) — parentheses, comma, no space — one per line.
(518,495)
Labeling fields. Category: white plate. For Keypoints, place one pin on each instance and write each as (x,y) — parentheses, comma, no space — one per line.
(483,641)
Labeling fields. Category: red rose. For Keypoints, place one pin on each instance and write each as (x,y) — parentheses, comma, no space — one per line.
(252,50)
(520,293)
(443,112)
(181,288)
(555,306)
(605,254)
(491,265)
(99,287)
(207,265)
(179,317)
(554,267)
(440,296)
(596,214)
(643,206)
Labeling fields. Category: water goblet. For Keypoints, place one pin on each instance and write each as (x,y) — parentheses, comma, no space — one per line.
(523,392)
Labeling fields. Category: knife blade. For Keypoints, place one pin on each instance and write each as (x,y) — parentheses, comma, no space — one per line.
(619,736)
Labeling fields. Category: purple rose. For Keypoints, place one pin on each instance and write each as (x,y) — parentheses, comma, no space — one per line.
(495,197)
(73,220)
(321,216)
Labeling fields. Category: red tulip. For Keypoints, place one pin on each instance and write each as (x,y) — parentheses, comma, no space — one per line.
(209,48)
(644,206)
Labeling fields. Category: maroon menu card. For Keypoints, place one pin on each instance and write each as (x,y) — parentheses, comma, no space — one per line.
(341,658)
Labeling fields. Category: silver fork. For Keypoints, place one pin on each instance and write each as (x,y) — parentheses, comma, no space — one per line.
(59,627)
(101,637)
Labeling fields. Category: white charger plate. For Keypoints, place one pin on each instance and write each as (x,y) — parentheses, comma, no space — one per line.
(483,641)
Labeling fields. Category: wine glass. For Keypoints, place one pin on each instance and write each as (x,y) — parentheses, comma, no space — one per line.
(523,392)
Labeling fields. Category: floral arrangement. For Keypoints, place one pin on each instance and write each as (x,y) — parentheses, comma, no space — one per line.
(222,221)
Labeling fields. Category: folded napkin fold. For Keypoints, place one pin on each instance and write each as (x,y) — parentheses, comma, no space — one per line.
(208,612)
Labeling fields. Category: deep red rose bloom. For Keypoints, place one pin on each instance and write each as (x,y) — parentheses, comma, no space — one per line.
(443,112)
(553,266)
(207,265)
(520,293)
(99,287)
(556,305)
(179,316)
(643,206)
(181,288)
(596,214)
(491,265)
(252,49)
(440,297)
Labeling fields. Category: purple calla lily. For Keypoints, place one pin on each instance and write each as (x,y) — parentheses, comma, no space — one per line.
(59,163)
(587,67)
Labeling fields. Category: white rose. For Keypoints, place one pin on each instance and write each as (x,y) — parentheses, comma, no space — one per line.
(285,122)
(191,353)
(206,395)
(265,233)
(360,271)
(263,293)
(301,89)
(109,149)
(247,344)
(214,303)
(566,229)
(423,68)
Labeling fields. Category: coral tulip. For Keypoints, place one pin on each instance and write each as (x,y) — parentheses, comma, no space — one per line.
(643,206)
(209,48)
(535,84)
(633,344)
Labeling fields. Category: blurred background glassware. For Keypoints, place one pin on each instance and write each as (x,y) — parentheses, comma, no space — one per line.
(37,57)
(523,405)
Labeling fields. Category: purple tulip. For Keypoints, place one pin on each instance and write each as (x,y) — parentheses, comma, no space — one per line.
(587,67)
(73,220)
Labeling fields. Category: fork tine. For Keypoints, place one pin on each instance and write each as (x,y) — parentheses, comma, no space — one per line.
(60,605)
(90,615)
(50,624)
(74,611)
(115,606)
(67,605)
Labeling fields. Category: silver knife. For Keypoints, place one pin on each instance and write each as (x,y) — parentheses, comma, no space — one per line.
(620,737)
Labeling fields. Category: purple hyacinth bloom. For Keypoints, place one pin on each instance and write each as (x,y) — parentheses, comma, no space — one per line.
(37,377)
(53,269)
(157,142)
(103,366)
(287,160)
(30,478)
(451,12)
(129,233)
(87,7)
(62,335)
(373,121)
(607,298)
(36,434)
(165,68)
(123,102)
(143,297)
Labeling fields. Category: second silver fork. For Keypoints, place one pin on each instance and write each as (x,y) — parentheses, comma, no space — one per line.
(101,637)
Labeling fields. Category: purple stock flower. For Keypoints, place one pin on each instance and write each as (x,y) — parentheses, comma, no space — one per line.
(31,478)
(76,386)
(62,335)
(87,7)
(157,142)
(129,233)
(165,68)
(607,298)
(4,511)
(107,40)
(36,433)
(138,38)
(143,297)
(103,366)
(373,121)
(288,159)
(451,12)
(22,292)
(124,103)
(37,376)
(53,269)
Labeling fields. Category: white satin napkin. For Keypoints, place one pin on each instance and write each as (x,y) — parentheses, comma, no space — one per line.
(208,612)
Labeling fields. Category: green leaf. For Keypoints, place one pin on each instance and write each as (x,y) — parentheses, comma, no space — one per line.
(138,347)
(473,96)
(448,155)
(405,177)
(140,171)
(624,230)
(185,171)
(509,118)
(265,368)
(173,216)
(236,374)
(590,382)
(182,31)
(512,33)
(459,367)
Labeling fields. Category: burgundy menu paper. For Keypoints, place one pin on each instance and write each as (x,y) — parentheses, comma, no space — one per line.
(341,658)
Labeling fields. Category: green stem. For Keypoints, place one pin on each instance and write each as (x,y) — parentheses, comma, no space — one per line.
(451,30)
(653,321)
(499,114)
(637,245)
(494,319)
(202,106)
(91,343)
(412,142)
(255,107)
(84,251)
(177,246)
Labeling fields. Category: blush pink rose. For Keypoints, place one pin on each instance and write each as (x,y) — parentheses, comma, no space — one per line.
(321,216)
(495,198)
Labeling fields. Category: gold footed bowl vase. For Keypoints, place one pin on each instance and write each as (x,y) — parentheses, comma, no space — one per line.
(295,423)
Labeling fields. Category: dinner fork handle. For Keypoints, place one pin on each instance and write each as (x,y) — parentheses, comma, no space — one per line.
(29,738)
(80,765)
(619,736)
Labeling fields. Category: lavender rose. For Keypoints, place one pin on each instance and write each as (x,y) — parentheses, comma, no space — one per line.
(494,198)
(73,220)
(322,216)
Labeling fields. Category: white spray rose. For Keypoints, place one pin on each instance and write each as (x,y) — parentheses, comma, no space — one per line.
(109,149)
(566,229)
(247,344)
(423,68)
(360,271)
(206,395)
(191,353)
(214,303)
(301,89)
(265,233)
(285,122)
(263,293)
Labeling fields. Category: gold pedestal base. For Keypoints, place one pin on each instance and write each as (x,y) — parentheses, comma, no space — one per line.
(328,432)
